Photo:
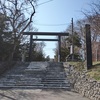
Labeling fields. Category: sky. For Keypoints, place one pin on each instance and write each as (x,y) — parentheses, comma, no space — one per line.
(56,15)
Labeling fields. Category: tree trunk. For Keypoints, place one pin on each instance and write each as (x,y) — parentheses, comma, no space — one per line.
(11,56)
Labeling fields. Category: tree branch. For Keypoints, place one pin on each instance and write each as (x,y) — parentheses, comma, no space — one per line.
(30,20)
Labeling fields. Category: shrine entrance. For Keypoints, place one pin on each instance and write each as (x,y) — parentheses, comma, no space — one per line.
(58,34)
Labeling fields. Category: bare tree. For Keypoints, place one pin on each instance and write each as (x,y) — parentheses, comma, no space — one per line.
(19,14)
(64,49)
(39,46)
(39,54)
(93,18)
(80,29)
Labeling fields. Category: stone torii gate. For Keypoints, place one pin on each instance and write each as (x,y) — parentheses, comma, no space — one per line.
(59,34)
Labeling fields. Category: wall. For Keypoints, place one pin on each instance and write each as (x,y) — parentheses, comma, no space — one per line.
(83,84)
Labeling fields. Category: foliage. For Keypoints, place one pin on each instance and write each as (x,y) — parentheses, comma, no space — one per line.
(77,57)
(93,17)
(47,58)
(64,53)
(5,40)
(95,71)
(79,66)
(66,43)
(76,39)
(37,51)
(19,18)
(38,56)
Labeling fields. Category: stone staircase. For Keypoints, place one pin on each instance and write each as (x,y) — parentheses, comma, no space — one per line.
(36,75)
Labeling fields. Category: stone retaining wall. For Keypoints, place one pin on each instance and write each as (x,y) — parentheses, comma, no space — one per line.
(83,84)
(87,87)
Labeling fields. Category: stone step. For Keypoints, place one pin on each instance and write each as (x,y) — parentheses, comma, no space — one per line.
(23,76)
(15,75)
(54,78)
(55,81)
(35,76)
(34,69)
(57,76)
(34,72)
(33,80)
(34,83)
(57,85)
(55,73)
(20,80)
(28,83)
(34,87)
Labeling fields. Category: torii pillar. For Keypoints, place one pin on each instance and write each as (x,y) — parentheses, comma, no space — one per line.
(59,48)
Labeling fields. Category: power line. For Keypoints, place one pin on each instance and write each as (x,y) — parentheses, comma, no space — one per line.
(39,4)
(64,24)
(44,2)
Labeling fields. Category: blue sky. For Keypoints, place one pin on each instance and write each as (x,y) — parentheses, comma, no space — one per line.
(58,12)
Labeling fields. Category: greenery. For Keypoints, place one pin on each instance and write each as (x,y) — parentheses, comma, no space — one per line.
(64,53)
(66,43)
(94,72)
(76,39)
(79,66)
(17,21)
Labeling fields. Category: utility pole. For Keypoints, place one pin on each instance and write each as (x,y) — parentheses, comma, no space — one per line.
(72,40)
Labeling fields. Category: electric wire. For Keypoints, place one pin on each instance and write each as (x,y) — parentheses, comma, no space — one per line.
(44,2)
(64,24)
(38,4)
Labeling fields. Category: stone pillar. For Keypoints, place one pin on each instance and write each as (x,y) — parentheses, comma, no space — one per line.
(88,47)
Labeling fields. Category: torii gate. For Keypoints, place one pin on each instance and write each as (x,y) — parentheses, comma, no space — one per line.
(59,34)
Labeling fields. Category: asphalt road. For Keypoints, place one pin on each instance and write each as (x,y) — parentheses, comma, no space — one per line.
(38,94)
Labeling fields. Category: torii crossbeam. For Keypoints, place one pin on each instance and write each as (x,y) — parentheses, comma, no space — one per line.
(59,34)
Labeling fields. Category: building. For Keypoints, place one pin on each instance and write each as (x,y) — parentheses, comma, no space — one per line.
(96,51)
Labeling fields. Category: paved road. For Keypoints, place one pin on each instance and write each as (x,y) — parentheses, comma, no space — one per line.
(38,94)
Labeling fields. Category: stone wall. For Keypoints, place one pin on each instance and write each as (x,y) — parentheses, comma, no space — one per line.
(83,84)
(88,87)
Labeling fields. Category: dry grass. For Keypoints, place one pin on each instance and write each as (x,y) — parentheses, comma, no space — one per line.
(78,65)
(94,72)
